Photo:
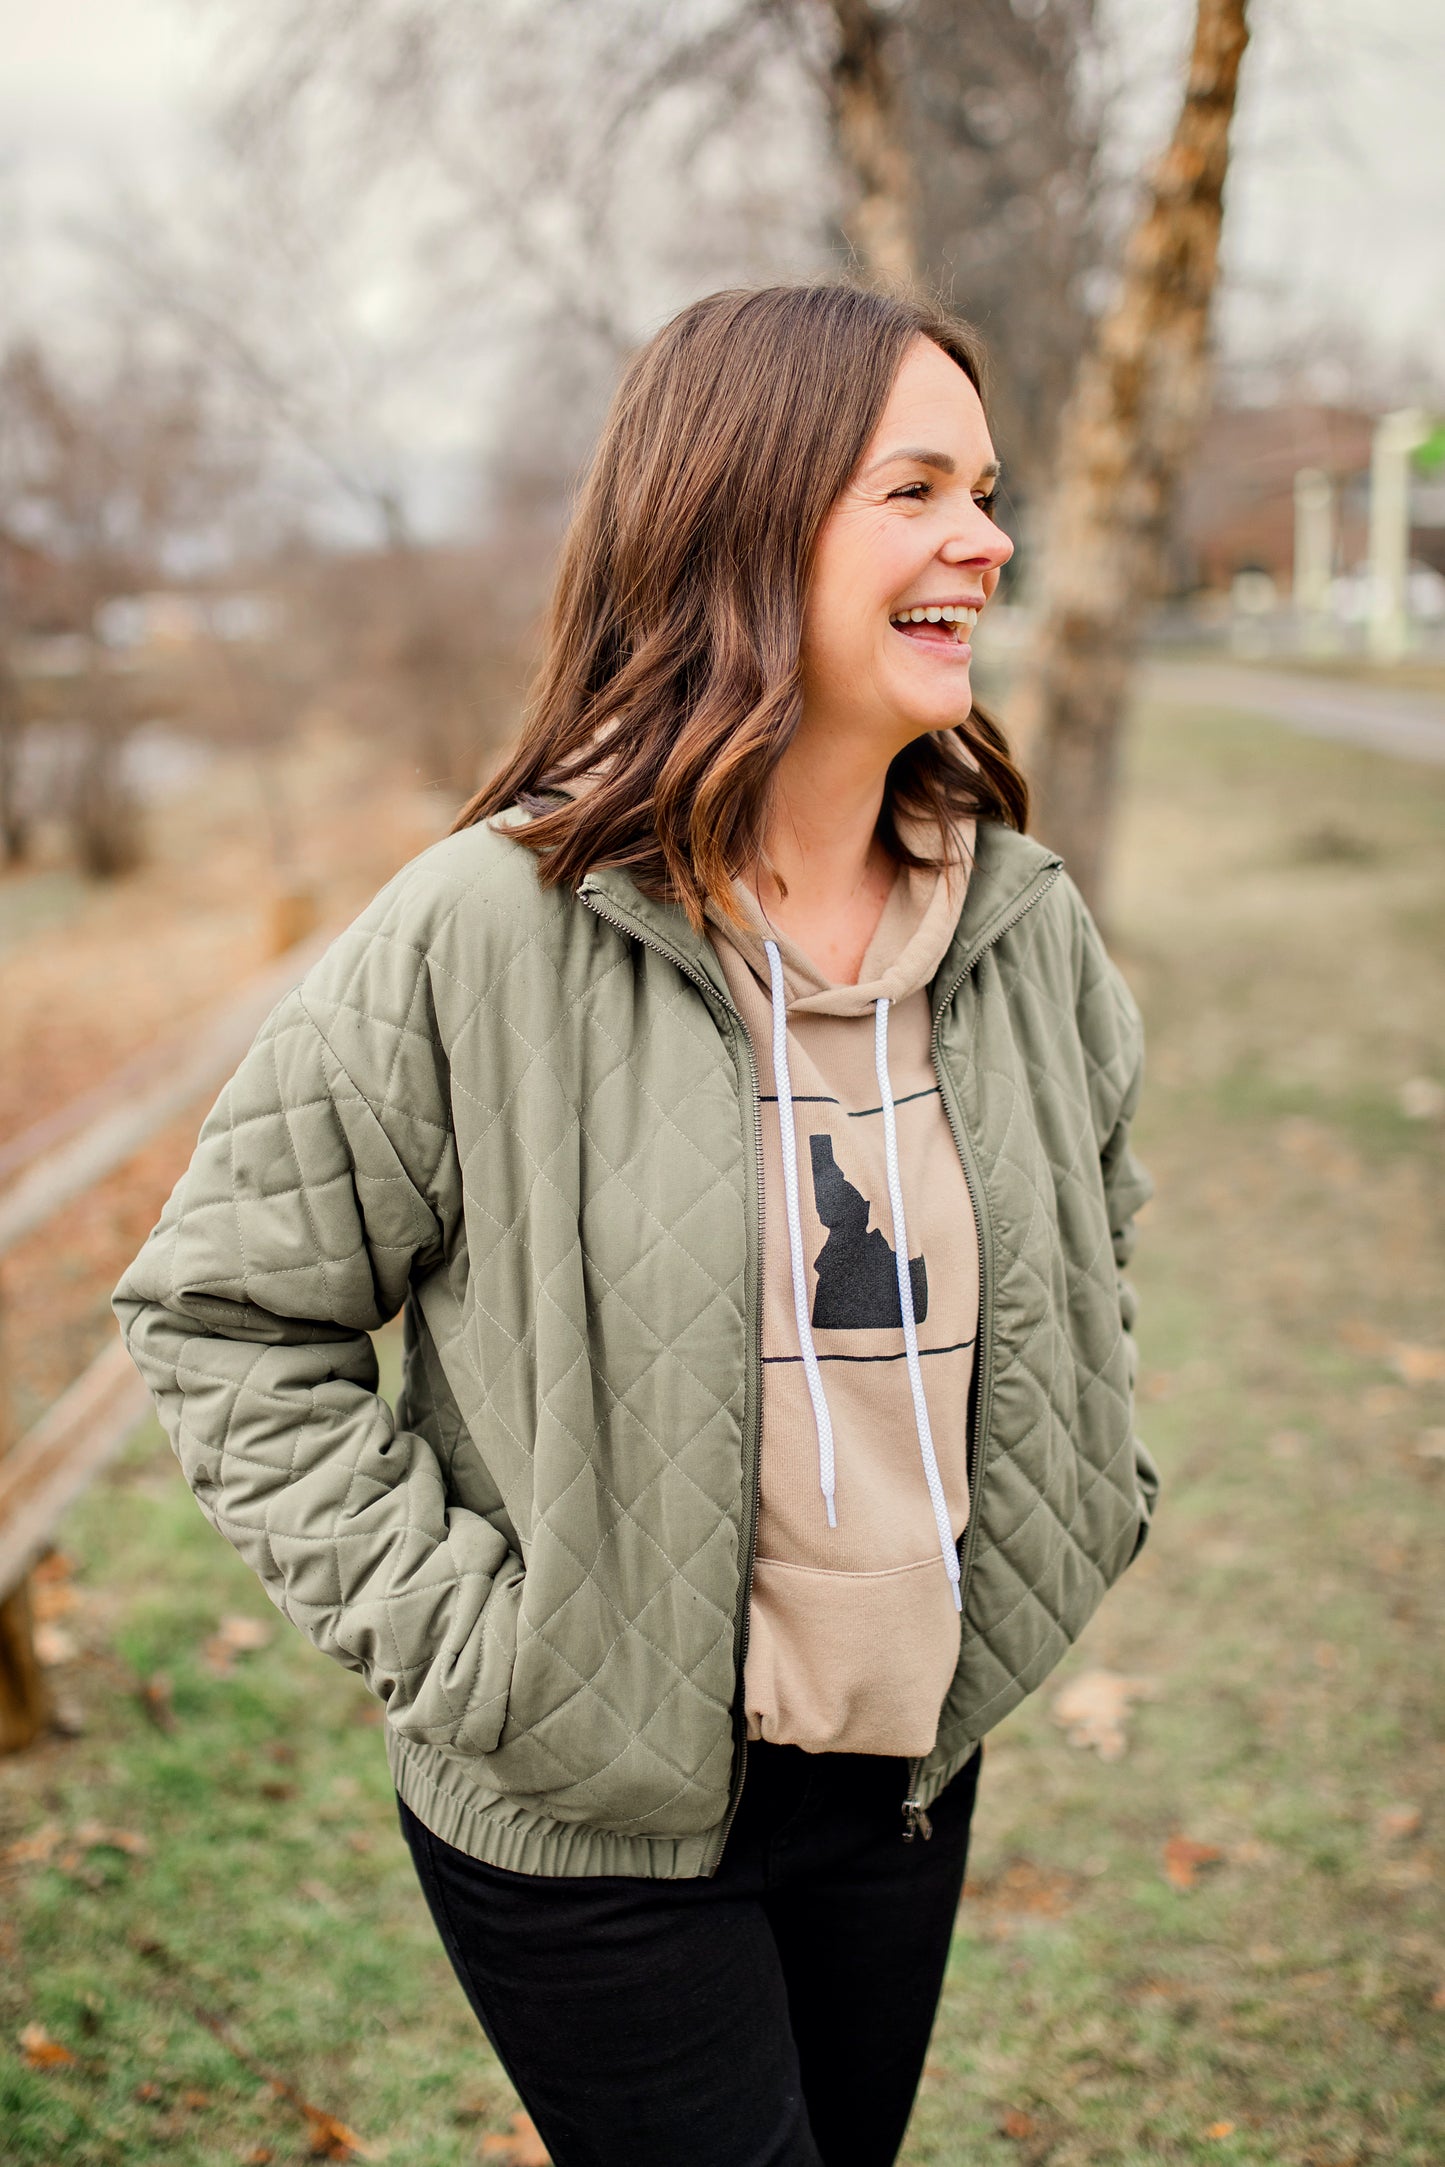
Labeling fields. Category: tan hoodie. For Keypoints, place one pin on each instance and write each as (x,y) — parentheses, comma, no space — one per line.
(854,1627)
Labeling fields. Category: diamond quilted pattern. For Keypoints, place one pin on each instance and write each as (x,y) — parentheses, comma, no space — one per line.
(493,1107)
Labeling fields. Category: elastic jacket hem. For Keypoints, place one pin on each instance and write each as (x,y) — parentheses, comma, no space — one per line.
(500,1831)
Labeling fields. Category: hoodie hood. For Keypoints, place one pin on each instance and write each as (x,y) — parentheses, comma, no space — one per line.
(909,942)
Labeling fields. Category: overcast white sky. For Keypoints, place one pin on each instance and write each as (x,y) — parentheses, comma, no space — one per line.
(1337,194)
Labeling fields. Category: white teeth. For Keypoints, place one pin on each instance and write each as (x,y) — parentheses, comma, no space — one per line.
(943,613)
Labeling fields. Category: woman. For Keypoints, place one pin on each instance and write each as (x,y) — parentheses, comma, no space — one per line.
(737,1105)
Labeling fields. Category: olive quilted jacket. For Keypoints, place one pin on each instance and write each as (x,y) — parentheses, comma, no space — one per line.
(530,1120)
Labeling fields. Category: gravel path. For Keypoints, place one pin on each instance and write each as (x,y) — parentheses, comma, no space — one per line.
(1409,725)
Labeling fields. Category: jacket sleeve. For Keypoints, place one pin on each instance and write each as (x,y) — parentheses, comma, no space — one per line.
(1112,1031)
(292,1236)
(1126,1187)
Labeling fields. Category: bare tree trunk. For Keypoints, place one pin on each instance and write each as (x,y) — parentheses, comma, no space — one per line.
(869,139)
(13,826)
(105,818)
(1133,414)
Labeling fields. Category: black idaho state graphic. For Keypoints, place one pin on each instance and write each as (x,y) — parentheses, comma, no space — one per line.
(857,1269)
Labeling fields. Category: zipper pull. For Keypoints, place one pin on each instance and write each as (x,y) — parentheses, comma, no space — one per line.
(915,1821)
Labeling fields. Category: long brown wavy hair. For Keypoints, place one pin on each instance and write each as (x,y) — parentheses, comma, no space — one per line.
(670,665)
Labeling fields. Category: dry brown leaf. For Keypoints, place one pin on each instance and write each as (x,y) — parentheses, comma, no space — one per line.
(236,1635)
(193,2098)
(155,1699)
(260,2155)
(1022,1889)
(35,1849)
(51,1590)
(98,1835)
(1398,1822)
(1418,1365)
(53,1645)
(1422,1098)
(43,2052)
(1092,1708)
(1220,2129)
(523,2148)
(148,2092)
(330,2139)
(1018,2125)
(1183,1858)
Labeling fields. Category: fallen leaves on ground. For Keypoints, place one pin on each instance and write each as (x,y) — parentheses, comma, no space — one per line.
(234,1636)
(329,2138)
(521,2148)
(52,1591)
(43,2052)
(1396,1823)
(36,1848)
(1018,2125)
(154,1694)
(1092,1707)
(49,1844)
(96,1835)
(1422,1098)
(1022,1890)
(1184,1858)
(53,1646)
(1418,1365)
(1220,2129)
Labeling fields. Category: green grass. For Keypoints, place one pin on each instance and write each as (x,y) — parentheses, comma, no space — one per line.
(1288,1608)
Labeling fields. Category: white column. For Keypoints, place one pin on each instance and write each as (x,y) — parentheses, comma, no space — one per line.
(1314,557)
(1396,436)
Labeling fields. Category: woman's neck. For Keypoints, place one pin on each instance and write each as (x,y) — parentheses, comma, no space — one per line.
(826,876)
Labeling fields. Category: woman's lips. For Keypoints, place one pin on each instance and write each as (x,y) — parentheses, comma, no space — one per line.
(941,638)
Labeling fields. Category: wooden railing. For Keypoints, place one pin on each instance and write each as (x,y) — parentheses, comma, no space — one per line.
(49,1166)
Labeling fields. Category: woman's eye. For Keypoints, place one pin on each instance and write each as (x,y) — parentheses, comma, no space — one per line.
(916,490)
(986,504)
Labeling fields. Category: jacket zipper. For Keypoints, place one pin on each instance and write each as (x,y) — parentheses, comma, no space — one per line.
(752,1426)
(915,1817)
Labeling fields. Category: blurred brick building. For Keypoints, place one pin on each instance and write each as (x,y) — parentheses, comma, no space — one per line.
(1236,511)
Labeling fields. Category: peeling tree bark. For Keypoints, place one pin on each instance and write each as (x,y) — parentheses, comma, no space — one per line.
(869,139)
(1132,418)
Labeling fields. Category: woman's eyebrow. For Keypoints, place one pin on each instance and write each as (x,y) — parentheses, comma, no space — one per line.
(941,461)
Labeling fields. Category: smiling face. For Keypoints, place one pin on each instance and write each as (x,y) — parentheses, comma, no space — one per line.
(911,532)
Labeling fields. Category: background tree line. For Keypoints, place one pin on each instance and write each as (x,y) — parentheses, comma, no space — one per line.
(354,376)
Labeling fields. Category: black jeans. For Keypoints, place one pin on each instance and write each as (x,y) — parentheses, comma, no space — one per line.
(774,2015)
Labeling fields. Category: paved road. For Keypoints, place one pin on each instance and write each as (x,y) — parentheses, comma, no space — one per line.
(1411,725)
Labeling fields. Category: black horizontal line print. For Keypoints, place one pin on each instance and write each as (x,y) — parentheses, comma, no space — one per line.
(820,1098)
(901,1356)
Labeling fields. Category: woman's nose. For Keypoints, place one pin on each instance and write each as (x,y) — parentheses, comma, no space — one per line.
(984,545)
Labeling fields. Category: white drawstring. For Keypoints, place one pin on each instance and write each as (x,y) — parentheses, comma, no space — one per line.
(905,1300)
(821,1416)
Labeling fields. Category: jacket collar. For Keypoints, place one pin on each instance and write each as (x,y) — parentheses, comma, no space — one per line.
(1010,871)
(613,892)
